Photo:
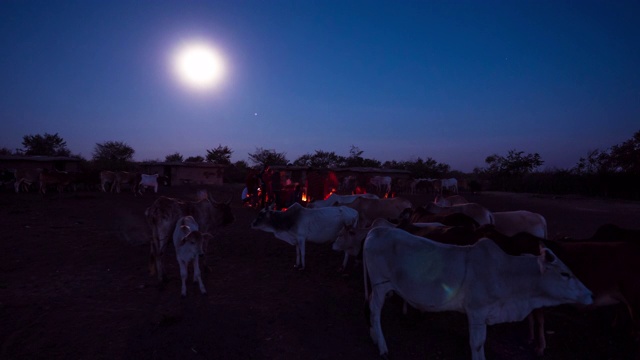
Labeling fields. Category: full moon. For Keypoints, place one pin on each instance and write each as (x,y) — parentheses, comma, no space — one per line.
(198,65)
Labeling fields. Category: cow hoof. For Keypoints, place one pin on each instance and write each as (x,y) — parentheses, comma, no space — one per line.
(385,356)
(204,293)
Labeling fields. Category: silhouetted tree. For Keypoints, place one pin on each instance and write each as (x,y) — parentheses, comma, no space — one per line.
(321,159)
(175,157)
(220,155)
(264,157)
(113,151)
(5,151)
(596,162)
(515,163)
(626,156)
(45,145)
(355,159)
(194,159)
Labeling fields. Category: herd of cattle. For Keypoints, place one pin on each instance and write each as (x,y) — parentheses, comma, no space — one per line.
(449,255)
(108,181)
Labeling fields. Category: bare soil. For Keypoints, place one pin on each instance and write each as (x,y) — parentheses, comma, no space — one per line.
(74,284)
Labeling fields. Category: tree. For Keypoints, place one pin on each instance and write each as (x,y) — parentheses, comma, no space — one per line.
(194,159)
(220,155)
(5,151)
(45,145)
(321,159)
(355,159)
(515,163)
(428,168)
(264,157)
(596,162)
(175,157)
(113,152)
(626,156)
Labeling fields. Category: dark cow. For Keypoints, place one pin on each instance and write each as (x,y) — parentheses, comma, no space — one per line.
(609,268)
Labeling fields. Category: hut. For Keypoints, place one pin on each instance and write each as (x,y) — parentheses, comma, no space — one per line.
(60,163)
(186,173)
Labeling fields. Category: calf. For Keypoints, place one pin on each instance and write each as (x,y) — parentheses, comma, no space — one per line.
(189,244)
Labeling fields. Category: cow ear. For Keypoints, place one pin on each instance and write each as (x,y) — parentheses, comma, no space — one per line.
(185,230)
(546,257)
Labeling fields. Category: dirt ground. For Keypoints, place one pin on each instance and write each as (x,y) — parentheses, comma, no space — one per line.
(74,284)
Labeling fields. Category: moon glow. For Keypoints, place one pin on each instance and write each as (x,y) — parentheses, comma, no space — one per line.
(198,65)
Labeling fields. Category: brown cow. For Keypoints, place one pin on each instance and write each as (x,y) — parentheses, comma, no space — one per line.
(164,213)
(131,178)
(26,177)
(609,269)
(54,177)
(371,209)
(109,177)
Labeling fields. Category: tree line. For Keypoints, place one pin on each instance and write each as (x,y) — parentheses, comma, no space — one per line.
(614,171)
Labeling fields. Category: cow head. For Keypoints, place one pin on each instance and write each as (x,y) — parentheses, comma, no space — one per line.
(196,241)
(349,240)
(558,281)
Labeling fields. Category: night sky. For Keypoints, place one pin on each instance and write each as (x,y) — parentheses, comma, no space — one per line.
(452,80)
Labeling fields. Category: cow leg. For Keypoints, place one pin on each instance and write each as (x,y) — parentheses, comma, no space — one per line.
(344,262)
(477,337)
(376,302)
(302,254)
(538,315)
(184,272)
(197,276)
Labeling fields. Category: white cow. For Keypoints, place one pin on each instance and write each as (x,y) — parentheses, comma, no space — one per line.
(189,243)
(449,184)
(381,183)
(148,181)
(297,225)
(450,200)
(512,222)
(480,280)
(335,199)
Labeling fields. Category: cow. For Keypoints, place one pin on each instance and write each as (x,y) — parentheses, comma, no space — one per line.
(163,214)
(25,177)
(371,209)
(609,232)
(450,184)
(476,211)
(510,223)
(420,214)
(107,177)
(608,268)
(54,177)
(297,225)
(450,200)
(335,199)
(130,178)
(148,180)
(189,244)
(479,280)
(381,183)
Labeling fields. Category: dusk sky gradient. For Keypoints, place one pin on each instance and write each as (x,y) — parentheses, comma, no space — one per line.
(452,80)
